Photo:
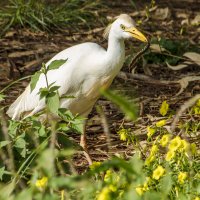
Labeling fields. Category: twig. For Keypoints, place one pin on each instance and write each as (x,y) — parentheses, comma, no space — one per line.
(147,79)
(104,122)
(182,109)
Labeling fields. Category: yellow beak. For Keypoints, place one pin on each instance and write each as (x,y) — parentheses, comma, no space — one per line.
(136,34)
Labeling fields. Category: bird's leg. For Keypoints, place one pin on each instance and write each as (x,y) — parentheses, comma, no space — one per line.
(83,144)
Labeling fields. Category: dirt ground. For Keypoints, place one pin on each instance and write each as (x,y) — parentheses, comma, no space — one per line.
(22,52)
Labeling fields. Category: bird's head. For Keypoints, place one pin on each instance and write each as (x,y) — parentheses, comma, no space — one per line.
(124,27)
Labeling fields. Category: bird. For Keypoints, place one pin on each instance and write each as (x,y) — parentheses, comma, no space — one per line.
(89,68)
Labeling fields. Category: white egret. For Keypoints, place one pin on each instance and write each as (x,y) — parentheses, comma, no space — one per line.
(88,68)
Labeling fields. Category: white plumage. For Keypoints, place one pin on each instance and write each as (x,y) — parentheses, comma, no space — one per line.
(88,68)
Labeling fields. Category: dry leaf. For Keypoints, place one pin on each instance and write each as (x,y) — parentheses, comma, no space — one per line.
(157,48)
(196,20)
(182,15)
(195,57)
(180,66)
(185,81)
(162,13)
(19,54)
(185,22)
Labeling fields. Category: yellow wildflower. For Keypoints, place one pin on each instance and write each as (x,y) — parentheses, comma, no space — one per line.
(113,188)
(94,165)
(154,149)
(175,143)
(161,123)
(104,194)
(139,190)
(164,140)
(158,172)
(181,177)
(198,103)
(197,198)
(196,110)
(150,159)
(164,108)
(62,195)
(123,134)
(169,155)
(107,175)
(123,137)
(41,183)
(184,145)
(193,148)
(145,186)
(150,131)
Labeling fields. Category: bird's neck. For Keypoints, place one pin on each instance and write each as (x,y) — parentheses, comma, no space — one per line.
(115,52)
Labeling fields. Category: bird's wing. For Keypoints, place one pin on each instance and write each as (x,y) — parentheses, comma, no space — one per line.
(64,77)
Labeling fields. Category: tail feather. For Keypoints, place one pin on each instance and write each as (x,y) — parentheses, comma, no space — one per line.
(19,105)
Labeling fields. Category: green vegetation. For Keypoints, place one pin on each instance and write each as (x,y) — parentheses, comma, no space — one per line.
(40,15)
(35,166)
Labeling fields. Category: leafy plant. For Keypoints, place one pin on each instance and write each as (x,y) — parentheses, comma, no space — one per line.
(45,16)
(36,157)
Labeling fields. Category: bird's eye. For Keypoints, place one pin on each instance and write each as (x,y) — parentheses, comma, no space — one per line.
(122,26)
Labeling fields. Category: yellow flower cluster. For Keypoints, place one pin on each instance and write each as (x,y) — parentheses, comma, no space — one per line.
(150,131)
(178,144)
(164,140)
(141,189)
(151,158)
(161,123)
(107,175)
(105,193)
(123,134)
(94,165)
(164,108)
(170,155)
(41,183)
(196,108)
(158,172)
(181,177)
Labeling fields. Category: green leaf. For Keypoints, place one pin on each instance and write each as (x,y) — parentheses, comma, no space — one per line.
(4,143)
(78,125)
(6,191)
(34,80)
(55,64)
(54,88)
(166,184)
(65,114)
(43,92)
(2,97)
(127,107)
(53,102)
(42,131)
(13,127)
(46,160)
(20,144)
(24,194)
(2,171)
